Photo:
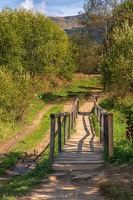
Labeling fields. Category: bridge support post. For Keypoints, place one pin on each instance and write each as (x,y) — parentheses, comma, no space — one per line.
(65,134)
(59,134)
(52,138)
(110,135)
(69,126)
(105,132)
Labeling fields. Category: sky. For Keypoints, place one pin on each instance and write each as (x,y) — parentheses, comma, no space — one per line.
(48,7)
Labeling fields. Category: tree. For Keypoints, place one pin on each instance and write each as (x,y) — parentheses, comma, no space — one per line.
(117,67)
(86,51)
(123,12)
(32,48)
(32,44)
(98,17)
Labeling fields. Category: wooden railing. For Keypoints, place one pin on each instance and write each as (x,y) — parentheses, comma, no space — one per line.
(106,127)
(62,124)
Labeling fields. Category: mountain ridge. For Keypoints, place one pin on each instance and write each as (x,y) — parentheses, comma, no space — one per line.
(68,22)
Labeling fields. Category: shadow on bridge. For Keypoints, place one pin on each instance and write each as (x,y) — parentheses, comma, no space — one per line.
(88,129)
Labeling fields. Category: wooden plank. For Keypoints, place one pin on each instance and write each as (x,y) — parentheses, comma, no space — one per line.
(79,162)
(78,158)
(80,152)
(83,149)
(82,144)
(79,167)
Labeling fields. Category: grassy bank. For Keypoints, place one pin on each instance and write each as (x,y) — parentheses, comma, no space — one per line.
(118,174)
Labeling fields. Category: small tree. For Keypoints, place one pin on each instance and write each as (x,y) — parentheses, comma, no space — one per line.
(117,67)
(98,17)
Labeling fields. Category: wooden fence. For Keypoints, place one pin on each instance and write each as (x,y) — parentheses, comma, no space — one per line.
(62,122)
(106,127)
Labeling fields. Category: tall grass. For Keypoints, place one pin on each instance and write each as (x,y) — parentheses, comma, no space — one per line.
(123,148)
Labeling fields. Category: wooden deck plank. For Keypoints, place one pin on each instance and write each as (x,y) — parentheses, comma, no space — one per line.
(75,167)
(79,162)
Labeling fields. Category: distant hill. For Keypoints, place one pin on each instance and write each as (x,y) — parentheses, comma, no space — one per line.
(71,23)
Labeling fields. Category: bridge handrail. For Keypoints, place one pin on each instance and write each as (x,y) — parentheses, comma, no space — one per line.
(57,121)
(98,110)
(106,127)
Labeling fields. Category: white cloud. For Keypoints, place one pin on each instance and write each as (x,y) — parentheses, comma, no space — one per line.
(30,5)
(41,7)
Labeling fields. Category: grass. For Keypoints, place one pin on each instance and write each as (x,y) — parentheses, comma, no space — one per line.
(10,129)
(123,148)
(118,182)
(36,136)
(80,86)
(118,179)
(117,190)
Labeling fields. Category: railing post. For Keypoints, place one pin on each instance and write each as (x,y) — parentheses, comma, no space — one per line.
(106,128)
(59,134)
(65,135)
(105,132)
(72,121)
(52,138)
(102,128)
(77,106)
(74,114)
(110,135)
(94,107)
(69,126)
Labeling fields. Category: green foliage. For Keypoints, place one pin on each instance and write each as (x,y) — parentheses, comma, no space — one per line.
(86,52)
(122,110)
(15,96)
(123,12)
(117,66)
(9,160)
(32,48)
(32,44)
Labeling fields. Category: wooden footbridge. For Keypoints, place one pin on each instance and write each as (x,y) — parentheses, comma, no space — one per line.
(82,150)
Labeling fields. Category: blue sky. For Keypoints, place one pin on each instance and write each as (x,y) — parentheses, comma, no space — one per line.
(48,7)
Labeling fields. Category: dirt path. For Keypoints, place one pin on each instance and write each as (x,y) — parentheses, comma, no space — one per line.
(7,145)
(63,185)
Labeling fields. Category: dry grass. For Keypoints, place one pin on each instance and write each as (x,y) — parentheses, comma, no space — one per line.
(118,182)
